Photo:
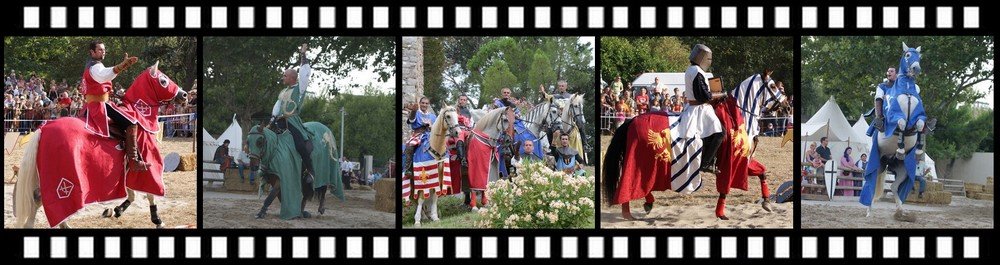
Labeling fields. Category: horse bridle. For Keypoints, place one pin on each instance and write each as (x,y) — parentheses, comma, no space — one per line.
(262,145)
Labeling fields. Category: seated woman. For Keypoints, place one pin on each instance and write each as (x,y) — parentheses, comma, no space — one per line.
(847,168)
(812,160)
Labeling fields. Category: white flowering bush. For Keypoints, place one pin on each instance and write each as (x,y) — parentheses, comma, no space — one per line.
(539,198)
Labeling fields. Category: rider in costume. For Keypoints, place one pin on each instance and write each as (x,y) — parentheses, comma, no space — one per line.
(99,113)
(699,119)
(285,114)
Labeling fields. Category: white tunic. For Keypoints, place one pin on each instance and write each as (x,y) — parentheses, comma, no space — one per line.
(697,121)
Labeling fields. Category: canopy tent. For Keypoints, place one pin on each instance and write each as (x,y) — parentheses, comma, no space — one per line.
(861,128)
(829,121)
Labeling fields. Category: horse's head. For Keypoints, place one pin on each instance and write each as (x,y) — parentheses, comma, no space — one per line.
(552,115)
(909,64)
(576,112)
(449,114)
(257,143)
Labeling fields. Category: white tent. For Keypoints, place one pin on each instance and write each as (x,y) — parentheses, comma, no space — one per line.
(830,122)
(861,128)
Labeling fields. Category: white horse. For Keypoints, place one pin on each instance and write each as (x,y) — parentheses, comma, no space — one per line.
(444,127)
(898,151)
(573,119)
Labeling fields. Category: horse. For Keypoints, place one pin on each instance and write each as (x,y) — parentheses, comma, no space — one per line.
(895,150)
(754,97)
(573,119)
(78,161)
(281,167)
(652,146)
(431,160)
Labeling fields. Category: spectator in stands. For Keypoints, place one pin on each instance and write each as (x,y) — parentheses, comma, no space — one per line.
(847,169)
(812,160)
(770,129)
(642,101)
(824,150)
(862,163)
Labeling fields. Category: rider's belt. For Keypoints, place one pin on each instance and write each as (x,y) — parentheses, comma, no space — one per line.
(97,98)
(695,103)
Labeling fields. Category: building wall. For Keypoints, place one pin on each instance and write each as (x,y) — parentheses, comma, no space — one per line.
(974,170)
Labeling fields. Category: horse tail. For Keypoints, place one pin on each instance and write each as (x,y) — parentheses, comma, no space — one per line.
(27,182)
(612,160)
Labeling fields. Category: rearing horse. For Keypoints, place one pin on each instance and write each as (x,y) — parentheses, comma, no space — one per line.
(895,149)
(80,167)
(281,167)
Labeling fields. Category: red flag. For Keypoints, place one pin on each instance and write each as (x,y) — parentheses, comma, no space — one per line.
(733,157)
(646,166)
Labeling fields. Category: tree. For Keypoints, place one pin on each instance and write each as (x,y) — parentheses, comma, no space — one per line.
(243,74)
(497,77)
(434,64)
(629,57)
(541,71)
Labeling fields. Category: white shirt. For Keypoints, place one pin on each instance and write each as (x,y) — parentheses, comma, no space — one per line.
(102,74)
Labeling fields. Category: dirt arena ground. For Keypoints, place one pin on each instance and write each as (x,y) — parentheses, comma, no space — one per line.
(697,210)
(846,212)
(238,210)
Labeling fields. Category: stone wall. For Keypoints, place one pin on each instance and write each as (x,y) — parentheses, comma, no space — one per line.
(413,79)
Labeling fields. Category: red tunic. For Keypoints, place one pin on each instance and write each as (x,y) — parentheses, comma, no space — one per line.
(94,114)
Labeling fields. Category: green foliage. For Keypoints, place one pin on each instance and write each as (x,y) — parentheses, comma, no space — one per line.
(243,74)
(63,58)
(434,64)
(629,57)
(541,71)
(736,58)
(540,198)
(497,77)
(851,67)
(365,125)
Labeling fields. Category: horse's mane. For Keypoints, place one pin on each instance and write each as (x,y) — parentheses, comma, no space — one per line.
(439,131)
(487,123)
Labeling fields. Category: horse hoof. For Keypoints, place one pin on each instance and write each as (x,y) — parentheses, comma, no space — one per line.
(417,224)
(900,154)
(724,218)
(648,207)
(321,211)
(306,215)
(160,226)
(766,205)
(261,215)
(107,213)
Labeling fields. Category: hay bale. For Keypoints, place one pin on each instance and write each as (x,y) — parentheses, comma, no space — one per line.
(189,162)
(931,186)
(931,197)
(973,187)
(385,195)
(988,189)
(989,181)
(982,196)
(232,181)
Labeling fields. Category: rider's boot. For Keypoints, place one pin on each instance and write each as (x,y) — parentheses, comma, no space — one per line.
(135,162)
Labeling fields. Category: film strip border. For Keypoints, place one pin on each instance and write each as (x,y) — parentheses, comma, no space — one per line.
(494,247)
(737,16)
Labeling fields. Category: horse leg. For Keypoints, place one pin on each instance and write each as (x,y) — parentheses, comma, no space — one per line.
(720,207)
(900,214)
(420,208)
(267,202)
(648,205)
(434,208)
(322,199)
(485,199)
(900,128)
(919,128)
(627,212)
(121,207)
(153,215)
(64,225)
(305,214)
(470,197)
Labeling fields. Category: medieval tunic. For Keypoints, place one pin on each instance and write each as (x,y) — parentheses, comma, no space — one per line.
(97,90)
(566,159)
(697,121)
(289,103)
